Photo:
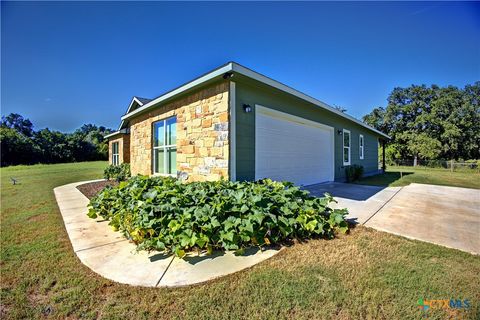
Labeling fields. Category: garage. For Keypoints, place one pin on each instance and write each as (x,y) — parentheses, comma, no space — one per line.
(290,148)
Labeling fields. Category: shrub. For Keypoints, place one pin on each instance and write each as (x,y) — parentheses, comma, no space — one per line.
(353,172)
(167,215)
(119,173)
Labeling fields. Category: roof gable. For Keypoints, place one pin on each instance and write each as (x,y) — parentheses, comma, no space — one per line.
(136,103)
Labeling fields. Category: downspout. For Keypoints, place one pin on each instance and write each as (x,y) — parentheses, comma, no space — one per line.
(233,132)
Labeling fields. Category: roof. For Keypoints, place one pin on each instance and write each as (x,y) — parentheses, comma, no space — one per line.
(122,131)
(143,100)
(233,67)
(135,103)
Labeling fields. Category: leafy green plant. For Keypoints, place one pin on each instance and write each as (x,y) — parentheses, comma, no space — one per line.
(120,172)
(168,215)
(353,172)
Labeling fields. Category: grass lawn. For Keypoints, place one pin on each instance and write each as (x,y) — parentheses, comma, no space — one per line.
(402,176)
(363,275)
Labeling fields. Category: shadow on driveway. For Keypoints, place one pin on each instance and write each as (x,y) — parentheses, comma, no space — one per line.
(344,190)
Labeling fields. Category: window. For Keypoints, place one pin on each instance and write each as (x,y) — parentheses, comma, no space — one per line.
(115,154)
(360,146)
(346,147)
(165,146)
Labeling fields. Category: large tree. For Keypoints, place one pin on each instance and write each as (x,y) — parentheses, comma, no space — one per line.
(16,148)
(431,122)
(20,144)
(17,122)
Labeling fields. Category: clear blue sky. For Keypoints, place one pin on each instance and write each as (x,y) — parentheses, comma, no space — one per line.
(65,64)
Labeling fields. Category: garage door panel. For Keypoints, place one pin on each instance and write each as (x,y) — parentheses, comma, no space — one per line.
(291,148)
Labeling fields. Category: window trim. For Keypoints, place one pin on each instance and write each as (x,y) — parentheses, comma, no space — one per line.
(165,147)
(116,156)
(361,147)
(349,147)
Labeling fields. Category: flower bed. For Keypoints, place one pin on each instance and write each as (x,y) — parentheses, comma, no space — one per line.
(168,215)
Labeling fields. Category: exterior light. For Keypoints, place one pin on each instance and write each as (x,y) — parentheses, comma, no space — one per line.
(247,108)
(340,132)
(227,75)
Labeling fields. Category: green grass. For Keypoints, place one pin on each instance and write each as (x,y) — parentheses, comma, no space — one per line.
(402,176)
(363,275)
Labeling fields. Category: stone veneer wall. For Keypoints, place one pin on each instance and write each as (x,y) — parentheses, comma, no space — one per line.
(202,134)
(123,148)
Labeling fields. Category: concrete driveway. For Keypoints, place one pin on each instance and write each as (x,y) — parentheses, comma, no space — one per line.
(447,216)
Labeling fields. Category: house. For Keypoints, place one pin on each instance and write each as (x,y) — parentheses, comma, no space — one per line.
(234,123)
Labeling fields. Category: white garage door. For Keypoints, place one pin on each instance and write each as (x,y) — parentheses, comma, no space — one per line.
(289,148)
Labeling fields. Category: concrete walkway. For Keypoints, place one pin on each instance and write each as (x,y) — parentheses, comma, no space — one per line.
(109,254)
(448,216)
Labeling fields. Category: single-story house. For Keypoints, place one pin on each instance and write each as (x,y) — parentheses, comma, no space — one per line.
(235,123)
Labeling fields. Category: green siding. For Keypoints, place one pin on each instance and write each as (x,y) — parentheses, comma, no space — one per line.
(250,92)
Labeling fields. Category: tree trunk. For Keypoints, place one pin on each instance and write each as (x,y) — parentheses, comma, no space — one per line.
(415,161)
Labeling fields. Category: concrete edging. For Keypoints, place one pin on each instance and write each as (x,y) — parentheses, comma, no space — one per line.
(112,256)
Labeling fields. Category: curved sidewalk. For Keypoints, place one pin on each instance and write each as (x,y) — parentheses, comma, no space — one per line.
(112,256)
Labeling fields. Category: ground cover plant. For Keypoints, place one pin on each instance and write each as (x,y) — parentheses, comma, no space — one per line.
(166,214)
(364,275)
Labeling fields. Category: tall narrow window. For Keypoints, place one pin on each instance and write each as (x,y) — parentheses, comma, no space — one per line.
(346,147)
(360,146)
(165,146)
(115,154)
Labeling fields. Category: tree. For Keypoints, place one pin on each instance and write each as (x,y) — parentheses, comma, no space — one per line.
(54,146)
(431,122)
(20,144)
(16,148)
(422,146)
(17,122)
(376,119)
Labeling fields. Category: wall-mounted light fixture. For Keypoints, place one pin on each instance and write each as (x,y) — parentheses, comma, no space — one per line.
(340,132)
(247,108)
(227,75)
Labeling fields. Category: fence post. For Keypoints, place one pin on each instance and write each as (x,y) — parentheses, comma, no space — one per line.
(451,165)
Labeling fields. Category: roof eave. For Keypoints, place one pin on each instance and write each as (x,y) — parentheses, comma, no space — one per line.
(273,83)
(235,67)
(189,85)
(118,132)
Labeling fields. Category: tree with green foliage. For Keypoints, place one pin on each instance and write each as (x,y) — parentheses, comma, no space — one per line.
(17,122)
(16,148)
(430,122)
(21,144)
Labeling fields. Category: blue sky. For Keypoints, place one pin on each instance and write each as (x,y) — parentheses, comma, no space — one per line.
(65,64)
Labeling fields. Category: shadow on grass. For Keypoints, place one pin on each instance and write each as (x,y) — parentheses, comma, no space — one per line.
(384,179)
